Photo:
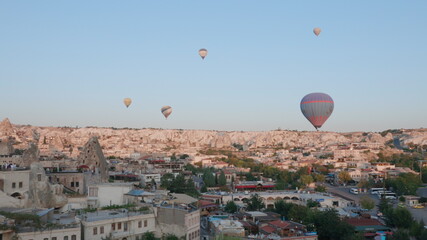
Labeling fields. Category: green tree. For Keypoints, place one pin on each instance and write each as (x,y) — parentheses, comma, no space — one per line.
(306,179)
(171,237)
(400,234)
(153,183)
(255,203)
(320,188)
(367,202)
(250,177)
(222,181)
(424,175)
(178,184)
(402,218)
(298,213)
(280,185)
(329,226)
(344,177)
(282,208)
(311,203)
(230,207)
(208,178)
(405,184)
(148,236)
(320,178)
(191,167)
(417,229)
(167,180)
(204,189)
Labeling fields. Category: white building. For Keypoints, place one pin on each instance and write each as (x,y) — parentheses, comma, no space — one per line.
(230,228)
(15,183)
(56,234)
(120,224)
(75,203)
(147,178)
(106,194)
(183,222)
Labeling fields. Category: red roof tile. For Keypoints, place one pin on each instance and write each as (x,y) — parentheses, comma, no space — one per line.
(279,223)
(268,229)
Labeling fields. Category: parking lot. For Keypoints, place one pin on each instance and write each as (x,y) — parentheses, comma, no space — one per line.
(418,214)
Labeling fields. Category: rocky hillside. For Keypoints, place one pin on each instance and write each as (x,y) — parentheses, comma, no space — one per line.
(122,142)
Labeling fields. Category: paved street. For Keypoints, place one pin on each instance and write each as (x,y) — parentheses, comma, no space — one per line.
(418,214)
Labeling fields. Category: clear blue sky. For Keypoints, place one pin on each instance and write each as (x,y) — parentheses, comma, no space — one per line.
(71,63)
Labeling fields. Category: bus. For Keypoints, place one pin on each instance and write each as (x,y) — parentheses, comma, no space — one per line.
(388,195)
(375,191)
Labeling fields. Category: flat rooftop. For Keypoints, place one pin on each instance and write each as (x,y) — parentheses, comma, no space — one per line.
(111,214)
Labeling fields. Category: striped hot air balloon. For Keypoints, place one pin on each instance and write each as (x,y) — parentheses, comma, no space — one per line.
(317,107)
(166,110)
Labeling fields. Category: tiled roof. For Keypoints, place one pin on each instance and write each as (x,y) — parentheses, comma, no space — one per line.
(279,224)
(267,229)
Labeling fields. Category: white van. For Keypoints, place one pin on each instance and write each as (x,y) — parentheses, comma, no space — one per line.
(354,190)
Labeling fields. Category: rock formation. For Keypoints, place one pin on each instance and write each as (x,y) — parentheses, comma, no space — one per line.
(91,155)
(123,142)
(30,155)
(42,193)
(6,147)
(6,128)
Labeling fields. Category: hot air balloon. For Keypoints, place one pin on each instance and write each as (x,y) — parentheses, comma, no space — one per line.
(127,102)
(203,53)
(317,107)
(166,110)
(317,31)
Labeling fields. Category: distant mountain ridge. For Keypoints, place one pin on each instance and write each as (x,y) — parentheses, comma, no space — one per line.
(123,142)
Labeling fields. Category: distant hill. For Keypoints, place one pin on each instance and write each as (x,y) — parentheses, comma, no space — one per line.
(123,142)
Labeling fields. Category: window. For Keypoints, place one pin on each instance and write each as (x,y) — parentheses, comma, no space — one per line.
(77,184)
(53,238)
(20,184)
(113,226)
(145,223)
(45,238)
(101,229)
(73,237)
(93,192)
(13,185)
(125,226)
(139,224)
(95,230)
(72,184)
(65,237)
(119,226)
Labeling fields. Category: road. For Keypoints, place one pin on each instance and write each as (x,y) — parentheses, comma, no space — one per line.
(396,142)
(418,214)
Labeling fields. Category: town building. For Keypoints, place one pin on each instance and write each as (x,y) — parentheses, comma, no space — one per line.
(182,221)
(117,224)
(100,195)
